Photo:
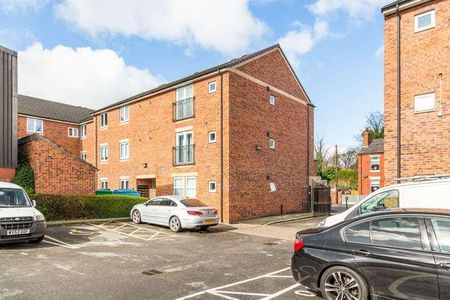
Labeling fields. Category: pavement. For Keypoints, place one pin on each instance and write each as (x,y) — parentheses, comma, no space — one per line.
(118,260)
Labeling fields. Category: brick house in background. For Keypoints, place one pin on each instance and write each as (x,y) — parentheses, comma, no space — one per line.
(417,88)
(238,136)
(370,165)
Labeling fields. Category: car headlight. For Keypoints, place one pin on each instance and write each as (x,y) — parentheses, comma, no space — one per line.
(40,218)
(322,224)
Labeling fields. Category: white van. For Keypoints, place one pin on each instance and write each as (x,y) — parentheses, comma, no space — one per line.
(431,193)
(19,220)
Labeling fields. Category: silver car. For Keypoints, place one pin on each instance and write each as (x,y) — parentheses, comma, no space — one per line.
(175,212)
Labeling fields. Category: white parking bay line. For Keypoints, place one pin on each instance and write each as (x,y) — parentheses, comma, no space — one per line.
(57,242)
(281,292)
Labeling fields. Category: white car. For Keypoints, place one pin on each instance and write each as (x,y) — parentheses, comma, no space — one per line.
(19,220)
(175,212)
(432,194)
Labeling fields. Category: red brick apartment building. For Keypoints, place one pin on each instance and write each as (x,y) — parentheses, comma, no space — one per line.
(370,165)
(417,88)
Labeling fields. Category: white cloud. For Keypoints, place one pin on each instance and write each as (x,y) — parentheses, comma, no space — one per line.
(380,51)
(81,76)
(297,42)
(358,9)
(225,26)
(11,6)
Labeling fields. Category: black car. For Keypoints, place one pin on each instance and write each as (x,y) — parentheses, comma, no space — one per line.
(399,254)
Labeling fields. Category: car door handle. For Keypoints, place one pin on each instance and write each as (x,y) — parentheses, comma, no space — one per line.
(445,265)
(361,252)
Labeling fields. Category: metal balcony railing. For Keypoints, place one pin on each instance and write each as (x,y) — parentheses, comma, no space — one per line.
(184,155)
(183,109)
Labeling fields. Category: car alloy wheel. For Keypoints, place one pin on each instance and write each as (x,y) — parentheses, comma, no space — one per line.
(175,224)
(341,283)
(136,216)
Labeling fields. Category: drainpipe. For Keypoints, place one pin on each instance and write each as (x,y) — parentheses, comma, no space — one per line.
(221,146)
(399,131)
(308,130)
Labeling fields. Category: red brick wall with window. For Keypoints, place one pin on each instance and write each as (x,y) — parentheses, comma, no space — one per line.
(365,173)
(425,137)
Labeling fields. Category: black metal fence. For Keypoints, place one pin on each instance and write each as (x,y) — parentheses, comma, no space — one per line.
(183,155)
(183,109)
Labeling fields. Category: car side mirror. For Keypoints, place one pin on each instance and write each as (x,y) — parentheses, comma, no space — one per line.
(33,202)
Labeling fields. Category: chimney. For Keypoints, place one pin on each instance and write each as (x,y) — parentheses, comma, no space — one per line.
(366,137)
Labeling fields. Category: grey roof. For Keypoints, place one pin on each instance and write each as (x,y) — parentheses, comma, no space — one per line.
(393,4)
(228,64)
(376,146)
(41,108)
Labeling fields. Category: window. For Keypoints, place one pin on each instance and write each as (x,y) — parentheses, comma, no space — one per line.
(185,186)
(425,21)
(104,120)
(272,143)
(212,137)
(124,114)
(73,132)
(388,199)
(397,232)
(83,155)
(272,100)
(424,103)
(212,87)
(184,105)
(442,230)
(272,187)
(103,152)
(212,186)
(359,233)
(124,184)
(184,153)
(374,184)
(35,125)
(83,131)
(375,163)
(124,150)
(104,183)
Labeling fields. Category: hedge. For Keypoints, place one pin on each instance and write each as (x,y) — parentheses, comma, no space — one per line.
(57,207)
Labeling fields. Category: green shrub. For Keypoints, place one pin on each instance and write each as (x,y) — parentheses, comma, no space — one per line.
(58,207)
(25,176)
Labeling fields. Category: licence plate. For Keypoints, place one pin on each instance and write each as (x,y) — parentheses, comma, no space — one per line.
(210,221)
(17,231)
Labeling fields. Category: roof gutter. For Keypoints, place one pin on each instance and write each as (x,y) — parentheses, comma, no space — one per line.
(397,6)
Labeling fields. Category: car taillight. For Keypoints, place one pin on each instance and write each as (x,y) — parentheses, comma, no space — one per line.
(298,245)
(194,213)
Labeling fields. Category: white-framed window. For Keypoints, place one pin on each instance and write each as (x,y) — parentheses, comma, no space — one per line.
(73,132)
(374,183)
(104,183)
(35,125)
(272,143)
(104,152)
(424,103)
(425,21)
(83,155)
(184,106)
(212,137)
(272,187)
(124,183)
(124,149)
(184,148)
(212,87)
(272,100)
(212,186)
(124,114)
(374,163)
(185,186)
(104,120)
(83,130)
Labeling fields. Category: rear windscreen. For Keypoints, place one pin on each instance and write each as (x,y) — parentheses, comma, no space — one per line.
(192,203)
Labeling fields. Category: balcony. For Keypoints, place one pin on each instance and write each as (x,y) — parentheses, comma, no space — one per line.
(183,109)
(184,155)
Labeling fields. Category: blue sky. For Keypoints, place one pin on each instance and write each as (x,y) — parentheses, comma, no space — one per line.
(92,53)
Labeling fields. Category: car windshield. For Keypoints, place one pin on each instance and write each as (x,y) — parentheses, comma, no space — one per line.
(388,199)
(10,197)
(193,203)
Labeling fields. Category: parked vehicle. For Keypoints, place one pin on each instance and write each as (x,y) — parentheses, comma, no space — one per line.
(416,194)
(175,212)
(391,254)
(19,220)
(127,192)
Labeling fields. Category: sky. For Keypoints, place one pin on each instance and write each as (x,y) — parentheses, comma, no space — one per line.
(93,53)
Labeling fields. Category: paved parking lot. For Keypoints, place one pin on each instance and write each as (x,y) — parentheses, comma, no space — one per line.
(124,260)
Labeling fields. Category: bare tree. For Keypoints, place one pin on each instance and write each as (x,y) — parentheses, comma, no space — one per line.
(375,124)
(349,158)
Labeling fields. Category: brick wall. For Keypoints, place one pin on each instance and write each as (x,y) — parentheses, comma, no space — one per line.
(55,131)
(365,173)
(57,171)
(425,137)
(7,174)
(87,143)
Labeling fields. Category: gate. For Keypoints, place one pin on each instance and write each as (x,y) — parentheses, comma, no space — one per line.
(321,201)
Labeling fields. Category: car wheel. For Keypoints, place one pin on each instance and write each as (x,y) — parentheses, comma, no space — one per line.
(175,224)
(342,283)
(38,240)
(136,217)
